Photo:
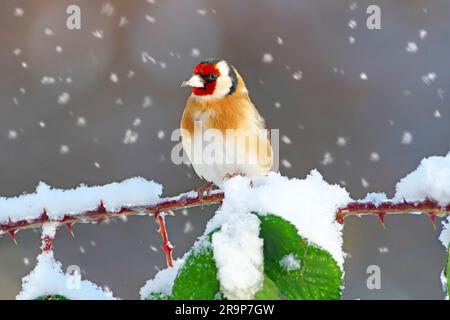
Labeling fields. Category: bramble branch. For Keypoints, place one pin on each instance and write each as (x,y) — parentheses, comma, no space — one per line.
(190,200)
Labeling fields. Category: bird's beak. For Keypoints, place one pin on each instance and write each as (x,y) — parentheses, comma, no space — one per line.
(195,81)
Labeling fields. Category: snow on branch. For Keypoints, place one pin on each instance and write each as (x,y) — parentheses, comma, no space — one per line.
(418,192)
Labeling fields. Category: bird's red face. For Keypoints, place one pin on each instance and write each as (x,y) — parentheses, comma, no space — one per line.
(212,79)
(209,73)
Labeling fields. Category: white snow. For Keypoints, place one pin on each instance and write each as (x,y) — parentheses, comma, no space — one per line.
(58,202)
(238,252)
(310,204)
(375,198)
(445,234)
(163,281)
(47,278)
(431,180)
(290,262)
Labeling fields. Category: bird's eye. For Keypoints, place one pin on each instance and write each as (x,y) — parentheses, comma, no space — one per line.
(211,77)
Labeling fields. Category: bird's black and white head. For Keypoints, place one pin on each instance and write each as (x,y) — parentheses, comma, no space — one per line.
(212,79)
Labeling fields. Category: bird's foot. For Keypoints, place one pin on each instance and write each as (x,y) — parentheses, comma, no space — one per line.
(205,191)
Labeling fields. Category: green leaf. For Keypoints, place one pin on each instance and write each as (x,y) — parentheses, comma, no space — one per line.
(197,278)
(318,275)
(269,291)
(52,297)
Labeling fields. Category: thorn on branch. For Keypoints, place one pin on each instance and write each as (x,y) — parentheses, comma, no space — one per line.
(70,229)
(340,219)
(381,218)
(12,235)
(432,217)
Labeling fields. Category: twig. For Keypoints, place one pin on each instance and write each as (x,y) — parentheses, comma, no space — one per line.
(190,200)
(166,246)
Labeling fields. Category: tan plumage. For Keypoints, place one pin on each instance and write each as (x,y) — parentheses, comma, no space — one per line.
(232,111)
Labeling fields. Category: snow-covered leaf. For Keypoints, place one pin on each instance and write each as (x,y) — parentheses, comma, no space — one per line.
(318,275)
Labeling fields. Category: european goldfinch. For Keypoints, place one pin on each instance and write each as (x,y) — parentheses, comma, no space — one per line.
(222,132)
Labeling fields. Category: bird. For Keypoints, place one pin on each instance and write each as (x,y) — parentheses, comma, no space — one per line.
(222,132)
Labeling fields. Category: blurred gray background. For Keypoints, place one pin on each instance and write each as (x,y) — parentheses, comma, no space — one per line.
(363,106)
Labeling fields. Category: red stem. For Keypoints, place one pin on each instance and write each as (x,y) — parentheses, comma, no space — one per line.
(166,246)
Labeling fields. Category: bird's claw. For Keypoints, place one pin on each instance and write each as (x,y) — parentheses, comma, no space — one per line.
(205,191)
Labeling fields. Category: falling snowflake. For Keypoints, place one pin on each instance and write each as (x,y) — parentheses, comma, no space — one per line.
(280,40)
(123,21)
(327,159)
(286,139)
(407,137)
(114,78)
(286,163)
(41,124)
(429,78)
(277,105)
(107,9)
(351,40)
(137,122)
(63,98)
(130,137)
(188,228)
(341,141)
(423,34)
(98,34)
(201,12)
(364,183)
(437,114)
(195,53)
(161,134)
(297,75)
(150,18)
(97,165)
(12,134)
(412,47)
(374,157)
(383,250)
(48,32)
(81,122)
(64,149)
(145,57)
(147,102)
(18,12)
(363,76)
(352,24)
(267,58)
(47,80)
